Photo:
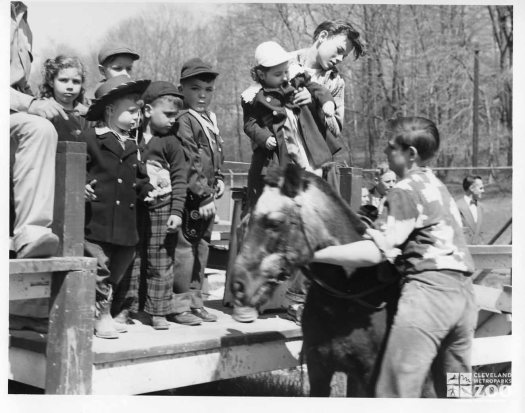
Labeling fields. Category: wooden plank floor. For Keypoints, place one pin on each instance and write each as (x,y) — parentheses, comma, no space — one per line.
(143,341)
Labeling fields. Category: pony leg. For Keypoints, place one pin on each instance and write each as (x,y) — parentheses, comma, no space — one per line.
(320,377)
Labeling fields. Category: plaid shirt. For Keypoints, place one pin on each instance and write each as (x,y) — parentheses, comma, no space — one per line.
(421,227)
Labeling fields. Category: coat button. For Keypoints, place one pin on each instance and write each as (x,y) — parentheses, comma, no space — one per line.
(134,165)
(268,99)
(274,113)
(119,180)
(131,205)
(133,185)
(121,161)
(117,202)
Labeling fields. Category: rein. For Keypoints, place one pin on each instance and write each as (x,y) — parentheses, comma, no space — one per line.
(345,295)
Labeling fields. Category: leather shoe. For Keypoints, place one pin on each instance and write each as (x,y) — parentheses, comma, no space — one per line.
(203,314)
(159,322)
(43,247)
(186,318)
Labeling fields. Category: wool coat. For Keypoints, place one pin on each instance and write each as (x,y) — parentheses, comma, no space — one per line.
(121,178)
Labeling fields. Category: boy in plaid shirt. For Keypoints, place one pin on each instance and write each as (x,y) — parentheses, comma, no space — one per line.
(421,235)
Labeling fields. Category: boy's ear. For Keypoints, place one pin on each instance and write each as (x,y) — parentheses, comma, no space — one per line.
(322,36)
(147,110)
(180,87)
(412,152)
(102,70)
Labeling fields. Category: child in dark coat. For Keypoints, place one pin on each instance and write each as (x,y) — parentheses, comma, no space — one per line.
(115,180)
(282,132)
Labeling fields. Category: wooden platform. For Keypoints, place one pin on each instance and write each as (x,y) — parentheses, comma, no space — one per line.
(144,360)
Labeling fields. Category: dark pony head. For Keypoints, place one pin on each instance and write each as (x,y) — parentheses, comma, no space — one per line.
(297,214)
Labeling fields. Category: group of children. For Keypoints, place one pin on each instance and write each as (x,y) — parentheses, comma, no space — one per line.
(154,154)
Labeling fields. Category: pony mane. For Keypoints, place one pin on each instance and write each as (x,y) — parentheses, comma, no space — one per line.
(324,187)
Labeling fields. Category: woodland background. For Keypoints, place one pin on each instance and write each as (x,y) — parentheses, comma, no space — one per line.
(419,61)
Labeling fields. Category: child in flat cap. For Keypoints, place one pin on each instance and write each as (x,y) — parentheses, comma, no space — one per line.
(115,180)
(159,221)
(197,129)
(281,131)
(115,59)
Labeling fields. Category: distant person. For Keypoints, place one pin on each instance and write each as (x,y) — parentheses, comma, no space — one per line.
(384,179)
(471,209)
(32,150)
(198,131)
(63,81)
(115,182)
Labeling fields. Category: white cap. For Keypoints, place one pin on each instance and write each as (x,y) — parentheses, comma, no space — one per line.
(269,54)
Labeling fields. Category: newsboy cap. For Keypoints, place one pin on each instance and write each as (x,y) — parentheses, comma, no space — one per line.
(111,89)
(111,49)
(160,88)
(194,67)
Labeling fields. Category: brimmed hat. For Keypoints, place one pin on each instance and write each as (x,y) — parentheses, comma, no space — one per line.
(111,49)
(111,89)
(194,67)
(160,88)
(269,54)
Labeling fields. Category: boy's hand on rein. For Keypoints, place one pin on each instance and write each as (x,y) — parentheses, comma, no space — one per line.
(271,143)
(174,223)
(208,210)
(89,191)
(302,96)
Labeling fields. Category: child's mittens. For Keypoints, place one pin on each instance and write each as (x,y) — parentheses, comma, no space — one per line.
(271,143)
(331,121)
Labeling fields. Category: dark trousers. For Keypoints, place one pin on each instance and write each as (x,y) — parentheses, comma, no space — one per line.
(112,263)
(190,263)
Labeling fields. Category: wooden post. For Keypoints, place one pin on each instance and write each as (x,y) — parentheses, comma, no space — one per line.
(68,216)
(238,194)
(69,352)
(351,181)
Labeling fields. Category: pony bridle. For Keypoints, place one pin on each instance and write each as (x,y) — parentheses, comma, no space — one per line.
(308,273)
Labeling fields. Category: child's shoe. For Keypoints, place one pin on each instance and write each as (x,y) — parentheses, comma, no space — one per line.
(185,318)
(203,314)
(159,322)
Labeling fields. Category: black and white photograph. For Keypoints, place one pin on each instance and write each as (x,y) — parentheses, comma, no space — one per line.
(212,203)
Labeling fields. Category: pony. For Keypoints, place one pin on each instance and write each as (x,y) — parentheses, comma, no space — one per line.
(347,312)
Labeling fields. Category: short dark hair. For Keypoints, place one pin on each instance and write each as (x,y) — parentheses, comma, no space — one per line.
(421,133)
(335,27)
(205,77)
(168,98)
(469,180)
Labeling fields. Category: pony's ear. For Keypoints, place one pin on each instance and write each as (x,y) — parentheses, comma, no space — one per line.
(293,181)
